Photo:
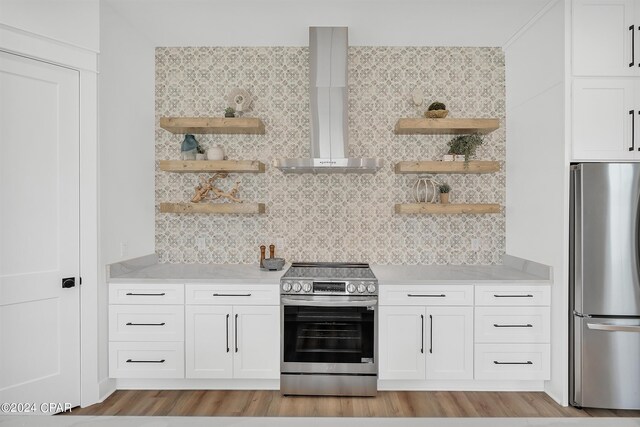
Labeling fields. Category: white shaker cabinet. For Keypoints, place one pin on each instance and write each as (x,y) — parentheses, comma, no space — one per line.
(401,350)
(605,34)
(606,119)
(449,351)
(209,341)
(420,339)
(226,341)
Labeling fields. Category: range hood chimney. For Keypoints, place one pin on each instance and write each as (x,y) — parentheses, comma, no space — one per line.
(328,97)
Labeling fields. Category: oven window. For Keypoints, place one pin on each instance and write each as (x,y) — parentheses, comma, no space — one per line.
(328,334)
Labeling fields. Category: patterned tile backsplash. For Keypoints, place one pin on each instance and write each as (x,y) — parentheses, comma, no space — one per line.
(332,217)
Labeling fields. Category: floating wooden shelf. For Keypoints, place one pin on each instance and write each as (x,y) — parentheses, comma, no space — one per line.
(236,166)
(473,166)
(211,125)
(438,208)
(445,126)
(213,208)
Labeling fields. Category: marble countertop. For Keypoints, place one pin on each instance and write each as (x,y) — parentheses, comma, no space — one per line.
(147,269)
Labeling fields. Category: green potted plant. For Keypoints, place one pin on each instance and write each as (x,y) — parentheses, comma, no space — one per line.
(229,112)
(444,193)
(465,145)
(437,110)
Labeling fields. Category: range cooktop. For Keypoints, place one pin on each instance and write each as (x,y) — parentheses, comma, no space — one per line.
(326,278)
(329,270)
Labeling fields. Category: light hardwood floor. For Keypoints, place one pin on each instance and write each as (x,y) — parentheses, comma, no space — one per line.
(386,404)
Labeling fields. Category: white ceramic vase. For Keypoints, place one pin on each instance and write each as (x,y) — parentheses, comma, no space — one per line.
(215,153)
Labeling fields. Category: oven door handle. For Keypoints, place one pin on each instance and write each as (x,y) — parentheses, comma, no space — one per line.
(332,303)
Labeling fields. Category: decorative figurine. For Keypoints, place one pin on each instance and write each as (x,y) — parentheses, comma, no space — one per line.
(207,191)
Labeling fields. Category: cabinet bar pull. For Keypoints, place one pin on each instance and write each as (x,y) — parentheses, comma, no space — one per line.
(430,334)
(231,295)
(145,361)
(528,362)
(145,295)
(633,130)
(227,333)
(513,296)
(426,295)
(146,324)
(422,334)
(236,332)
(528,325)
(633,47)
(633,141)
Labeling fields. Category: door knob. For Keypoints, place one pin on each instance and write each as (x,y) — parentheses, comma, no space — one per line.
(69,282)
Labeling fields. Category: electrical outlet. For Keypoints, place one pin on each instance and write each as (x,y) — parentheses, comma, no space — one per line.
(124,249)
(475,244)
(201,242)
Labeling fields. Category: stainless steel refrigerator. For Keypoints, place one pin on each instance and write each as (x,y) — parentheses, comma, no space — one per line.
(605,285)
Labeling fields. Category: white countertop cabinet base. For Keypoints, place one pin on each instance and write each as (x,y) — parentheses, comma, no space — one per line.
(232,342)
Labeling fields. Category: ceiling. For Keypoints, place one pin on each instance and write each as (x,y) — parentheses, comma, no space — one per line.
(286,22)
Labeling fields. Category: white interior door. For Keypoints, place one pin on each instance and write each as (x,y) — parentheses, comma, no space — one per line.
(39,232)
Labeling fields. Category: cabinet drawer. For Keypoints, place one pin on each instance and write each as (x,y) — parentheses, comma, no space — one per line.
(429,295)
(513,295)
(233,294)
(146,360)
(512,324)
(146,323)
(512,362)
(121,293)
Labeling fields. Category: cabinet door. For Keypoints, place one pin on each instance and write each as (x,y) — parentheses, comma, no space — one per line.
(256,342)
(208,341)
(602,38)
(449,346)
(605,119)
(402,342)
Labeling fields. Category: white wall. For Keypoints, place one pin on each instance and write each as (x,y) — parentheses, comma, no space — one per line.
(74,22)
(370,22)
(537,171)
(127,123)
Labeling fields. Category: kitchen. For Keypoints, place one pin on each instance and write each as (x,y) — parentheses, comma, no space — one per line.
(160,60)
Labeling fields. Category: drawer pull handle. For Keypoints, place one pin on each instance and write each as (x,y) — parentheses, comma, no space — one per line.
(427,295)
(430,334)
(528,325)
(145,361)
(528,362)
(231,295)
(145,324)
(513,296)
(145,295)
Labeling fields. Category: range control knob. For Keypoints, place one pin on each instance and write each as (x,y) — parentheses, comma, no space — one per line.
(351,288)
(296,287)
(371,288)
(362,288)
(306,287)
(286,287)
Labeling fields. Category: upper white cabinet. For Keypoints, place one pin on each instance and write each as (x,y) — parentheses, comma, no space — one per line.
(605,38)
(606,119)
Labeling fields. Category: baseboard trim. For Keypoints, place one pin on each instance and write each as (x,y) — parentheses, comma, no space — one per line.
(460,385)
(383,385)
(195,384)
(106,387)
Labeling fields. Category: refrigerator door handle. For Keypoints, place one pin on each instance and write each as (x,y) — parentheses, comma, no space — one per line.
(611,327)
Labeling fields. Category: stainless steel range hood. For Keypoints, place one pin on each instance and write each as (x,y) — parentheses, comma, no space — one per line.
(328,49)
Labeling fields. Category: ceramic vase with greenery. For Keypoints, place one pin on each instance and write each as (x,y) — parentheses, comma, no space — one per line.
(465,145)
(444,193)
(229,112)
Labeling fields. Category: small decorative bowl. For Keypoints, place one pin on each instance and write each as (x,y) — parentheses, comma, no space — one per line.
(273,264)
(436,114)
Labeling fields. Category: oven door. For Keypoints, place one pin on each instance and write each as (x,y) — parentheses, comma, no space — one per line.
(329,334)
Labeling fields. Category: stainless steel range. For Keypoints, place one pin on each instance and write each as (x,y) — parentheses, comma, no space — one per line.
(329,325)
